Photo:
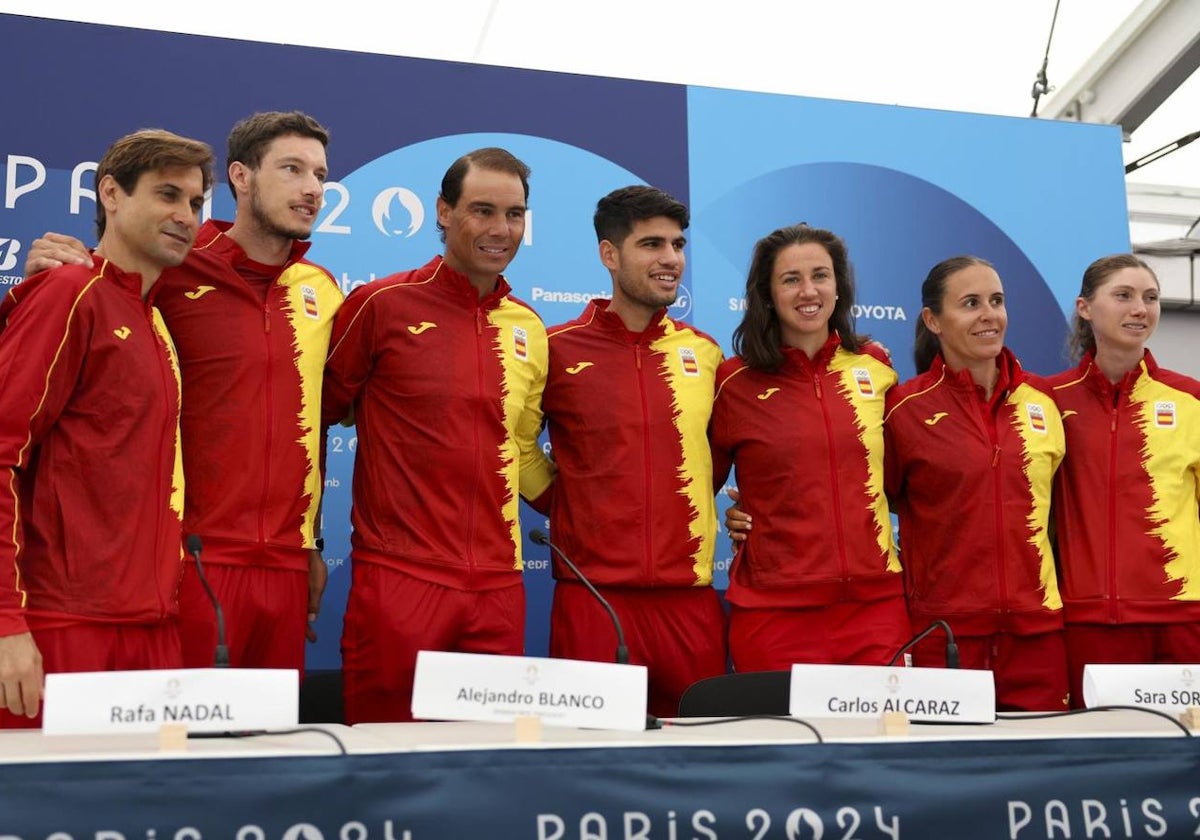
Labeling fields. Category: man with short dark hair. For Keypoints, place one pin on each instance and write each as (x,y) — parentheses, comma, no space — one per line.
(443,369)
(628,398)
(90,513)
(251,318)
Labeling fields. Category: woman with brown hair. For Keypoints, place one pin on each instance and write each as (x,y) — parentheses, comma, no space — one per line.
(972,444)
(1125,501)
(799,413)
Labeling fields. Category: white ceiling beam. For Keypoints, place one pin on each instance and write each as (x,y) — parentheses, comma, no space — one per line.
(1141,64)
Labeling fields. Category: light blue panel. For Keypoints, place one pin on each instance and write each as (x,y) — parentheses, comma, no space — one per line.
(1056,189)
(906,188)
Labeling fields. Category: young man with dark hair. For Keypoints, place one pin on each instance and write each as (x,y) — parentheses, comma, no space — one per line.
(443,369)
(628,398)
(90,513)
(251,320)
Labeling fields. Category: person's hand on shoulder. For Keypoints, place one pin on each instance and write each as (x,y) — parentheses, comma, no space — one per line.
(54,250)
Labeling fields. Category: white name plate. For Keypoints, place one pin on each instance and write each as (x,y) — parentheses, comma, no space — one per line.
(201,699)
(934,695)
(562,692)
(1167,688)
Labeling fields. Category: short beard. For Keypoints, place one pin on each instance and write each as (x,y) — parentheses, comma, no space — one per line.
(268,226)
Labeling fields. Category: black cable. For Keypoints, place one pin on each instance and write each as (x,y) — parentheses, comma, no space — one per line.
(951,646)
(671,724)
(256,733)
(1162,152)
(1041,85)
(1045,715)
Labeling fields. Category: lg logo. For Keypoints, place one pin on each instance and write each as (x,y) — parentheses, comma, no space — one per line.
(8,253)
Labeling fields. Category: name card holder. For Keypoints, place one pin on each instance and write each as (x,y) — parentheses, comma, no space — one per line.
(561,692)
(928,695)
(200,699)
(1165,688)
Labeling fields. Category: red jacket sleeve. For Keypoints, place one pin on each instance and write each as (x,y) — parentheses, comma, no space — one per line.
(44,334)
(719,442)
(893,479)
(351,355)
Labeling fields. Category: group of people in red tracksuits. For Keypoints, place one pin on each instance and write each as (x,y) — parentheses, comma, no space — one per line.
(1051,522)
(126,371)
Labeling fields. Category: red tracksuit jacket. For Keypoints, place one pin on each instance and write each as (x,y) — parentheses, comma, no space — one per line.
(628,414)
(971,482)
(1126,497)
(252,372)
(807,441)
(89,453)
(446,389)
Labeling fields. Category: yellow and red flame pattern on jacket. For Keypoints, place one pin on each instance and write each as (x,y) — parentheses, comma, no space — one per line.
(628,415)
(971,479)
(1126,497)
(807,441)
(446,390)
(92,478)
(252,373)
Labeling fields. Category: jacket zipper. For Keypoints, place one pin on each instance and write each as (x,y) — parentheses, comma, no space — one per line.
(833,479)
(998,506)
(169,386)
(1112,508)
(479,391)
(269,413)
(646,489)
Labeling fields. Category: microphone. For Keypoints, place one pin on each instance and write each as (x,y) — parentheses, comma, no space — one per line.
(221,658)
(951,646)
(622,655)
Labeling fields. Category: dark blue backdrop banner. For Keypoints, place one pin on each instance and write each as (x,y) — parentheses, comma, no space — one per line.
(991,789)
(905,187)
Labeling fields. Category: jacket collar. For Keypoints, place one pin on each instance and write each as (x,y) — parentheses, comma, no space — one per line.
(214,236)
(1098,382)
(127,281)
(1010,375)
(796,356)
(458,285)
(597,312)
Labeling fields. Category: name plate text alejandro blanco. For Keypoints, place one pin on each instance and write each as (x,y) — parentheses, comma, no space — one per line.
(201,699)
(941,695)
(562,692)
(1166,688)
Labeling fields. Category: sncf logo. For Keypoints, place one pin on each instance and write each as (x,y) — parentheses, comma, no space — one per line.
(9,248)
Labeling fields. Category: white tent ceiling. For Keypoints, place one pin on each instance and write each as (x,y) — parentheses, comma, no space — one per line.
(966,55)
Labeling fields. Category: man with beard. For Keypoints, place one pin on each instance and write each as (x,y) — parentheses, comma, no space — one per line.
(90,543)
(628,397)
(251,319)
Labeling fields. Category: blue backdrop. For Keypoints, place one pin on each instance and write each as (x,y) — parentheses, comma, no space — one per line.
(905,187)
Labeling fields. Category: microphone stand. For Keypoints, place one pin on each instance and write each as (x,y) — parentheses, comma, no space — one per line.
(951,645)
(622,655)
(221,656)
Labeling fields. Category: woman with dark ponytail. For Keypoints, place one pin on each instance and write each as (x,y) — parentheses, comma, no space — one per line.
(1125,500)
(971,447)
(799,412)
